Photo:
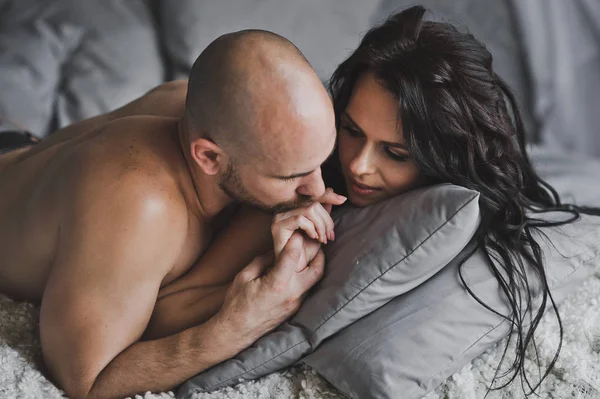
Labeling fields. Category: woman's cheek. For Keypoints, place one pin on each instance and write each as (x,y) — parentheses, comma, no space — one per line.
(400,178)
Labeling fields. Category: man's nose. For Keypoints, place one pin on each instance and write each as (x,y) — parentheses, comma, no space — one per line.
(362,163)
(312,185)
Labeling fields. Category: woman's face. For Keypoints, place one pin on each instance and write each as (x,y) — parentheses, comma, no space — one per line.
(375,162)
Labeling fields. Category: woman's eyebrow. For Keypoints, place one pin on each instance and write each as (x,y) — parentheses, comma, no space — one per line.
(347,118)
(351,121)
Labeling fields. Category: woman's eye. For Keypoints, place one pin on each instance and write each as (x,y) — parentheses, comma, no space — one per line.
(395,156)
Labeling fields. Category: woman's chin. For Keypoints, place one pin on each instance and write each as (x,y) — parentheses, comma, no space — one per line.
(360,202)
(361,196)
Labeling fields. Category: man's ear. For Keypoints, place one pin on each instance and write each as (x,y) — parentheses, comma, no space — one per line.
(208,155)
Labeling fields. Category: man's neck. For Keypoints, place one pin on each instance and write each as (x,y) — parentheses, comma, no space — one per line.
(208,199)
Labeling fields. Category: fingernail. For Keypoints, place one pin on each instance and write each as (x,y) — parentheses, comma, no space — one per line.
(333,236)
(341,197)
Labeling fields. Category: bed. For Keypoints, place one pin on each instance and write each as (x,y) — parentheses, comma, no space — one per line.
(65,60)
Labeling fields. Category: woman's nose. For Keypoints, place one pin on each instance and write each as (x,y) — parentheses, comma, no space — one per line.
(362,163)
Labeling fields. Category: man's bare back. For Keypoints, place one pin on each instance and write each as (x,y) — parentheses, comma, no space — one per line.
(41,181)
(41,184)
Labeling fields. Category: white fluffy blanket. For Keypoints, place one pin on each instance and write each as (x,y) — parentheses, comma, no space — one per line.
(20,377)
(576,375)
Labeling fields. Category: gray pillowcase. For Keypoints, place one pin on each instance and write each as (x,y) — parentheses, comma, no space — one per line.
(31,58)
(415,342)
(380,252)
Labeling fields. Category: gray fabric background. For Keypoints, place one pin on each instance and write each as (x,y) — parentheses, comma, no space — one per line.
(32,57)
(325,31)
(547,50)
(116,60)
(562,42)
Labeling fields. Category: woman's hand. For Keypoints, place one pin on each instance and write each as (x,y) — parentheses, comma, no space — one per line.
(313,219)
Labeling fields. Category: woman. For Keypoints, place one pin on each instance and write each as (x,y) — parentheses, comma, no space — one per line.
(419,103)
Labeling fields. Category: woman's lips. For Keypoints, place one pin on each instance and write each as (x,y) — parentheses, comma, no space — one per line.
(362,189)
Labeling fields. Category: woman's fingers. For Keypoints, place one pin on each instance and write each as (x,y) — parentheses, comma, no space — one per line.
(318,215)
(325,217)
(331,198)
(314,219)
(283,229)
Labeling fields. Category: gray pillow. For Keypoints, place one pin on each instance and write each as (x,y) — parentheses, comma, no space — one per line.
(117,60)
(380,252)
(413,343)
(325,31)
(31,58)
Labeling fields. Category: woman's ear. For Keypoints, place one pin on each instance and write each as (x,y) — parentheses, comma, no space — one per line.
(208,155)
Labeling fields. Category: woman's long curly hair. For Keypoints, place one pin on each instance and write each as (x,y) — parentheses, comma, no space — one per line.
(458,128)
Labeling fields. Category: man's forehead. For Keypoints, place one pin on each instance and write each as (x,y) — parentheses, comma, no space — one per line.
(302,156)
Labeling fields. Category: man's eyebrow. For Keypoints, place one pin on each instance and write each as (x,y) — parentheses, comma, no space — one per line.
(348,119)
(298,175)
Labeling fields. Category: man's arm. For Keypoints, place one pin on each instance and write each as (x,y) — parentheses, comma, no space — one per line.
(116,246)
(180,304)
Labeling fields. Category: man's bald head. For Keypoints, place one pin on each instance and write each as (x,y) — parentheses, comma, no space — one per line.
(248,90)
(259,119)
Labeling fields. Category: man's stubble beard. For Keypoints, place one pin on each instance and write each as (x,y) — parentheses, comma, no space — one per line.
(232,185)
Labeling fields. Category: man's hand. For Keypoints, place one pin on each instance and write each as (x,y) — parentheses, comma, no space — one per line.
(313,219)
(258,302)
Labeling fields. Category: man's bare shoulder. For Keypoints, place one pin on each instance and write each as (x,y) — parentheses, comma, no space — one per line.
(135,162)
(144,145)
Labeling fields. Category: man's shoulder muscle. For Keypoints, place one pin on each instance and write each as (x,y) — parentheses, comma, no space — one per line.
(138,195)
(135,188)
(122,183)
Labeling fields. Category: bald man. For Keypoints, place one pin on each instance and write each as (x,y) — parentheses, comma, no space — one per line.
(99,221)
